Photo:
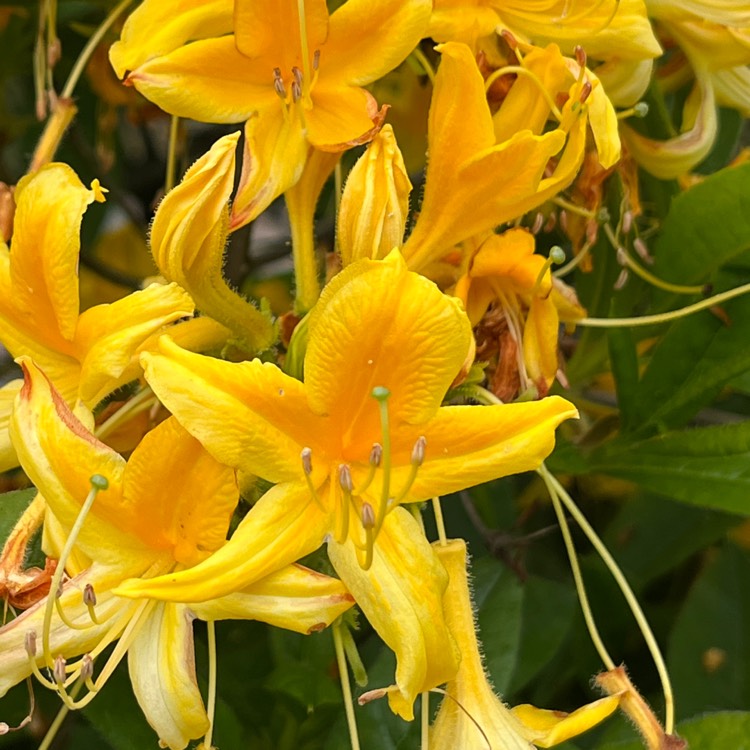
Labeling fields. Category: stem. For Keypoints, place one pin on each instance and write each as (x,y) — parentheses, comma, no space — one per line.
(211,703)
(169,178)
(439,521)
(87,51)
(648,320)
(59,719)
(425,721)
(575,568)
(630,598)
(346,687)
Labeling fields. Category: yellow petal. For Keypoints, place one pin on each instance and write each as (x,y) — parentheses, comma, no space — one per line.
(540,336)
(282,527)
(208,80)
(161,663)
(249,415)
(509,258)
(60,456)
(188,239)
(170,463)
(8,393)
(108,336)
(44,250)
(274,156)
(369,38)
(341,117)
(155,28)
(376,324)
(375,202)
(732,88)
(402,597)
(468,445)
(295,598)
(548,728)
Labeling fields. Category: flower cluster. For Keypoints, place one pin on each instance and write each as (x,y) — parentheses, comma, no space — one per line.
(193,451)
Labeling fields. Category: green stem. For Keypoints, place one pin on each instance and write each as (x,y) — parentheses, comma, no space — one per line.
(346,687)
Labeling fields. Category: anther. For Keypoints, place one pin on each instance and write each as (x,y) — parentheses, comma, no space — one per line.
(418,451)
(58,671)
(551,223)
(368,516)
(538,223)
(87,667)
(376,454)
(622,256)
(627,222)
(89,596)
(297,73)
(316,59)
(592,231)
(278,83)
(345,478)
(586,90)
(564,220)
(306,457)
(640,247)
(510,40)
(580,54)
(622,279)
(296,92)
(29,642)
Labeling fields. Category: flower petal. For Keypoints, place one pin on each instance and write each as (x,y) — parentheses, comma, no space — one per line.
(369,38)
(248,415)
(376,324)
(8,393)
(170,463)
(295,598)
(108,336)
(156,28)
(468,445)
(281,528)
(341,116)
(402,597)
(161,663)
(207,80)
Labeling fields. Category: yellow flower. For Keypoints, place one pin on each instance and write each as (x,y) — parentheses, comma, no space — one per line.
(87,355)
(527,306)
(345,461)
(299,76)
(472,717)
(616,32)
(167,508)
(486,169)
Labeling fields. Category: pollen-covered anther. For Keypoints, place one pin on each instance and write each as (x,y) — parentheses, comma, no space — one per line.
(278,83)
(622,279)
(627,222)
(89,595)
(640,247)
(306,456)
(87,667)
(586,90)
(296,92)
(376,454)
(345,478)
(418,451)
(536,227)
(58,671)
(622,256)
(297,73)
(368,516)
(29,642)
(580,54)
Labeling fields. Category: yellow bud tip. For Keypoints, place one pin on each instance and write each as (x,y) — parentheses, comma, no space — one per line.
(98,191)
(98,482)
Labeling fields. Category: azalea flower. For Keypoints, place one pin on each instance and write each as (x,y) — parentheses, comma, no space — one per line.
(488,168)
(472,716)
(344,460)
(167,508)
(87,355)
(297,77)
(509,292)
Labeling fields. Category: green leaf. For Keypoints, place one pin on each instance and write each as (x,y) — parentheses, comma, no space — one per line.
(12,505)
(706,466)
(725,730)
(623,358)
(697,357)
(707,225)
(708,648)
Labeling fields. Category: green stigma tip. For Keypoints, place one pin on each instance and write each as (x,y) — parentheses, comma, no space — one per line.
(99,482)
(557,254)
(640,109)
(380,392)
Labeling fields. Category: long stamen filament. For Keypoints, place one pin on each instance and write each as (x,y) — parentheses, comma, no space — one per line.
(211,698)
(627,593)
(98,483)
(437,509)
(345,483)
(381,395)
(556,256)
(519,69)
(425,721)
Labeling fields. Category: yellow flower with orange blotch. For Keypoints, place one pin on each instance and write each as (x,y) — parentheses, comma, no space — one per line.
(364,434)
(165,509)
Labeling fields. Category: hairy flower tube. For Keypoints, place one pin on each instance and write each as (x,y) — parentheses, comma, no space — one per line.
(472,716)
(167,508)
(87,355)
(364,434)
